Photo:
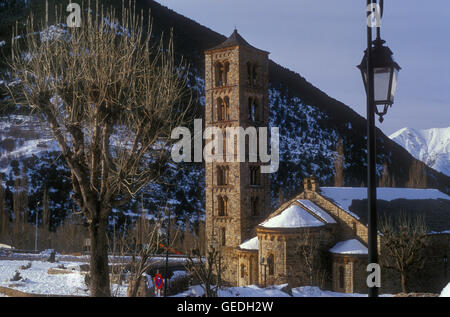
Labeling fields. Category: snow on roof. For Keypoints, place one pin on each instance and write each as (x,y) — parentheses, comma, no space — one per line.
(317,210)
(5,246)
(292,217)
(352,246)
(343,196)
(251,244)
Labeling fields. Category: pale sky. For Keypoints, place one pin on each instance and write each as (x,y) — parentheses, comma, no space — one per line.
(324,41)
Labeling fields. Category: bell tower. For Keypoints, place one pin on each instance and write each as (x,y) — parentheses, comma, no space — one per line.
(237,193)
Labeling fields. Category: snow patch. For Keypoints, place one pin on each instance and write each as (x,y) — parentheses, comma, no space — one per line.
(292,217)
(352,246)
(317,210)
(251,244)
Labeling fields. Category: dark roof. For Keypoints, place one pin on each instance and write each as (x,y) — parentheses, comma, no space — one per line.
(235,39)
(435,212)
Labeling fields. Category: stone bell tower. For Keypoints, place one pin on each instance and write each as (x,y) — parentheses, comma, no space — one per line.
(237,193)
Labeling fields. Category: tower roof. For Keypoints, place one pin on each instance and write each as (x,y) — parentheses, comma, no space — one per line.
(235,39)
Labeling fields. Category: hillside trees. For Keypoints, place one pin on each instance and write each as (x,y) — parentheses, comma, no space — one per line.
(404,242)
(417,175)
(111,98)
(339,160)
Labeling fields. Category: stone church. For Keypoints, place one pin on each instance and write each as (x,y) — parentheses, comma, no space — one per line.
(260,246)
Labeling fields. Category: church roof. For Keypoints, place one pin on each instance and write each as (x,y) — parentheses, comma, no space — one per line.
(431,204)
(294,216)
(251,244)
(235,39)
(322,214)
(352,246)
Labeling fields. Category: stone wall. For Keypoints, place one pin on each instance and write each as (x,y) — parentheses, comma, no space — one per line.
(238,223)
(248,267)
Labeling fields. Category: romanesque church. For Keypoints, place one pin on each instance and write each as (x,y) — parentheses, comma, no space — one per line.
(262,246)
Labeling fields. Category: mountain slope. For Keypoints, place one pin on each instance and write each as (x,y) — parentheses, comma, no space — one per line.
(310,121)
(431,146)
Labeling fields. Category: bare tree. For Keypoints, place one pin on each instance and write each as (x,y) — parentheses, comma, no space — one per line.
(308,252)
(403,245)
(207,270)
(111,98)
(339,160)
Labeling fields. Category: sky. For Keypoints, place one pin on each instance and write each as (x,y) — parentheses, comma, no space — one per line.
(325,40)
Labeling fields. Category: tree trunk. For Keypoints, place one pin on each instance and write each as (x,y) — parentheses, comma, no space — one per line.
(403,274)
(99,282)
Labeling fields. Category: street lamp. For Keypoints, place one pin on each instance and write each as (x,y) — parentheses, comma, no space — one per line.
(379,72)
(385,73)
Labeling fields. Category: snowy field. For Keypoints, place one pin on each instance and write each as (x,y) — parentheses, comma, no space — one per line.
(36,280)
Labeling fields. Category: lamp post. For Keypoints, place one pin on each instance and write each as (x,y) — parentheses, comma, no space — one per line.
(379,72)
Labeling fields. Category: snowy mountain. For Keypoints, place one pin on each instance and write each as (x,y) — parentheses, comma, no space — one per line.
(311,124)
(431,146)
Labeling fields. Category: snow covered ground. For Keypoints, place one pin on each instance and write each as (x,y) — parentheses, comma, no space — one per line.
(271,291)
(36,279)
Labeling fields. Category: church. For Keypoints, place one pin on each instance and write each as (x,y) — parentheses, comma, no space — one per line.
(265,247)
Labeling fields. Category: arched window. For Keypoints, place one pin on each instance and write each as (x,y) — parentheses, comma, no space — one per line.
(220,109)
(254,206)
(252,73)
(223,238)
(222,175)
(226,70)
(253,110)
(242,270)
(219,74)
(222,205)
(271,263)
(226,109)
(254,175)
(341,277)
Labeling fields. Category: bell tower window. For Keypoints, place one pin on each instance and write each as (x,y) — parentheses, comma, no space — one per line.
(253,111)
(226,109)
(254,175)
(222,202)
(252,73)
(221,73)
(223,108)
(222,175)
